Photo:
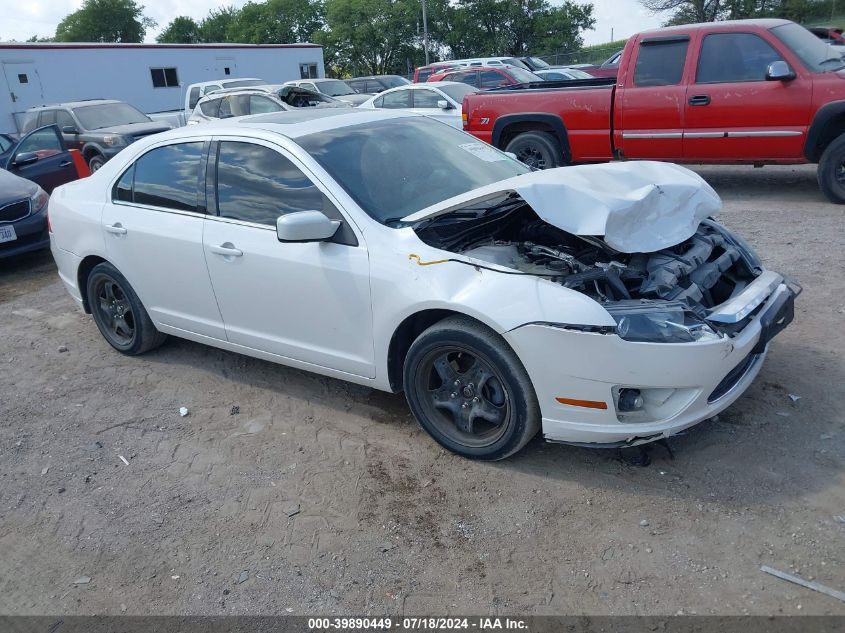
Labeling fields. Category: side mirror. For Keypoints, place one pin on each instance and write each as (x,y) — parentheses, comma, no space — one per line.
(779,71)
(305,226)
(512,155)
(25,158)
(69,129)
(444,105)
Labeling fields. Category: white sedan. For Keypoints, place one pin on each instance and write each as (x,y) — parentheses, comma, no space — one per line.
(439,100)
(597,303)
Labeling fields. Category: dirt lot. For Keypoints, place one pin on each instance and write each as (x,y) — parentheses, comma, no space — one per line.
(323,497)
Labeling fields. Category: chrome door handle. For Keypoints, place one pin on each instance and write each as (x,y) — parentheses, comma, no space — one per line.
(226,249)
(65,163)
(116,229)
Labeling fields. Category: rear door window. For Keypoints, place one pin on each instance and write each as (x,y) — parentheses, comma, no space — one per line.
(728,57)
(660,62)
(211,108)
(48,117)
(169,177)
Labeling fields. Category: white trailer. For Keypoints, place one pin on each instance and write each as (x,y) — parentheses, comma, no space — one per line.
(152,77)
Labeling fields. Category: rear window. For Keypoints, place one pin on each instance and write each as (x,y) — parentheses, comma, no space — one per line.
(661,63)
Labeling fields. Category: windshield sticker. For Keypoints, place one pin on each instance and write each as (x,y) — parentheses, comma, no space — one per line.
(482,151)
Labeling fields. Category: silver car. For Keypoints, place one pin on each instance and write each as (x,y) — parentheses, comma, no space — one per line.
(235,102)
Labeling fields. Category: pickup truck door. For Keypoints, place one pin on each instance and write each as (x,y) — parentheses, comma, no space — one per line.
(650,99)
(734,113)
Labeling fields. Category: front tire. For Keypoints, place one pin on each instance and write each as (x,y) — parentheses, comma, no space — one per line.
(95,162)
(469,391)
(118,312)
(538,150)
(831,171)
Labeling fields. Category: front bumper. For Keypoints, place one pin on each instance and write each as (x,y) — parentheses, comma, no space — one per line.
(683,383)
(31,235)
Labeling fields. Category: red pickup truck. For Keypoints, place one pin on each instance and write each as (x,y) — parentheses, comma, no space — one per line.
(743,92)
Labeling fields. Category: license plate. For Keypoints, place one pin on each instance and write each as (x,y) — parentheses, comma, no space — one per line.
(7,234)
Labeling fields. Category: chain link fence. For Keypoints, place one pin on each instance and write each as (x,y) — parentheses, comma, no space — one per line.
(588,55)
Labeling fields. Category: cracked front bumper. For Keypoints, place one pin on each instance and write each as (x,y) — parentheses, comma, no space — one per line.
(684,383)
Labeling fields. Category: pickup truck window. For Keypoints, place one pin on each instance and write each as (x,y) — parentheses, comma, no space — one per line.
(492,79)
(661,62)
(727,57)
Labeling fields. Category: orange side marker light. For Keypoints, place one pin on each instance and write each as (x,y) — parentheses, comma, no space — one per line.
(589,404)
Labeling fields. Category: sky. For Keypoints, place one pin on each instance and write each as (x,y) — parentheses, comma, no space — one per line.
(21,20)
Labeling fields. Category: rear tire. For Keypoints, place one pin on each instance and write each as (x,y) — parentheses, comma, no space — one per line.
(118,312)
(831,171)
(468,389)
(538,150)
(95,162)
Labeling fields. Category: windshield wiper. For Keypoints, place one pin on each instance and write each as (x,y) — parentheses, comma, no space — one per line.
(832,59)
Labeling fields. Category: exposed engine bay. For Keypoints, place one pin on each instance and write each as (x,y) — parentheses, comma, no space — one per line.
(701,272)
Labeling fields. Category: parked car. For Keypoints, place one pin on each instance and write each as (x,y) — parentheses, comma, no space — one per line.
(595,302)
(493,61)
(487,77)
(331,87)
(751,91)
(198,90)
(439,100)
(234,102)
(422,73)
(23,216)
(99,128)
(563,74)
(375,84)
(40,156)
(608,68)
(829,35)
(535,63)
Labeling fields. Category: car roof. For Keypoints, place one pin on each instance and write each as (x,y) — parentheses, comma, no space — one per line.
(729,25)
(73,104)
(291,124)
(223,81)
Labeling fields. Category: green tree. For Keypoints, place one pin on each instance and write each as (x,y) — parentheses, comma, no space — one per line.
(105,21)
(182,30)
(277,22)
(691,11)
(215,26)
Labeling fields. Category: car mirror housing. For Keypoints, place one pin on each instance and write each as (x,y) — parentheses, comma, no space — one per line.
(779,71)
(69,129)
(305,226)
(444,105)
(25,158)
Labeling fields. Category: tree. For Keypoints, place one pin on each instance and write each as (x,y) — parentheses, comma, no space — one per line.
(277,22)
(182,30)
(105,21)
(215,26)
(691,11)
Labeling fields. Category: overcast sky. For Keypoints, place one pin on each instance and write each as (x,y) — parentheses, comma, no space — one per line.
(20,20)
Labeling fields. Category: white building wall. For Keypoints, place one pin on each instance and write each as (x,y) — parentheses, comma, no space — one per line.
(34,74)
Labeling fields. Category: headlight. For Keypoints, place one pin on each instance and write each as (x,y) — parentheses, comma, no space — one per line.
(114,140)
(659,323)
(38,200)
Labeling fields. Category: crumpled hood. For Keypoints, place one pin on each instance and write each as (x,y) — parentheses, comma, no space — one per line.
(637,206)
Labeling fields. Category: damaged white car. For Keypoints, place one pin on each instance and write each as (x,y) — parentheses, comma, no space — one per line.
(597,303)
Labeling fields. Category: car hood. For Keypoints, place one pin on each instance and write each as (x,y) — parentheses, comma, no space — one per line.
(135,129)
(637,207)
(356,99)
(14,188)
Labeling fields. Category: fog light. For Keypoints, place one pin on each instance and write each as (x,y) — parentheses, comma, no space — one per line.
(630,400)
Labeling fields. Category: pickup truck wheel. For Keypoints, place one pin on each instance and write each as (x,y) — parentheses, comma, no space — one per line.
(469,391)
(831,171)
(118,312)
(538,150)
(95,162)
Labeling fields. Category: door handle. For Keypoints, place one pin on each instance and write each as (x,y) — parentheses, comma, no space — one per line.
(699,100)
(226,249)
(116,229)
(65,163)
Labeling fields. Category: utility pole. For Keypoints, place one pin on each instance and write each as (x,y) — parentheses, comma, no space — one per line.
(425,32)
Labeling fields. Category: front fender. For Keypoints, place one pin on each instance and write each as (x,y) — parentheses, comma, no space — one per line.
(828,123)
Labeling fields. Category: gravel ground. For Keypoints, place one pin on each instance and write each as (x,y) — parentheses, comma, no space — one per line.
(285,492)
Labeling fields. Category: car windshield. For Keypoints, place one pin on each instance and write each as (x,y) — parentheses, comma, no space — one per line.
(396,167)
(243,83)
(816,55)
(335,88)
(96,117)
(457,92)
(523,76)
(538,63)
